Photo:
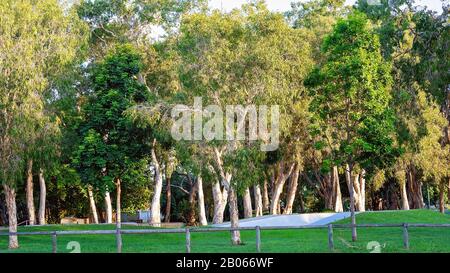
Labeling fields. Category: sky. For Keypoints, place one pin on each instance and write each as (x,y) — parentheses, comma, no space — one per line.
(284,5)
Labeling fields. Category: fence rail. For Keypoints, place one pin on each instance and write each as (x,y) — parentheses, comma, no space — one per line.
(187,231)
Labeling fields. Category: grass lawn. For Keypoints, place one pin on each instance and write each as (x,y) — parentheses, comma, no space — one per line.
(389,239)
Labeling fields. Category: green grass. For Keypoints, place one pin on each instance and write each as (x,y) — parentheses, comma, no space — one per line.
(390,239)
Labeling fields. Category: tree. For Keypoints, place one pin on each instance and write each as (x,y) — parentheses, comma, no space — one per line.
(247,56)
(160,80)
(433,157)
(111,143)
(38,39)
(121,21)
(416,41)
(351,93)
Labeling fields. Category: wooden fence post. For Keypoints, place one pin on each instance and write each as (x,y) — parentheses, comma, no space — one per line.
(188,240)
(54,243)
(258,239)
(405,236)
(330,237)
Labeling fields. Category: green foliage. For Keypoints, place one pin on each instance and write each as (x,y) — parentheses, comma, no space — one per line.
(39,42)
(111,144)
(247,167)
(433,157)
(351,94)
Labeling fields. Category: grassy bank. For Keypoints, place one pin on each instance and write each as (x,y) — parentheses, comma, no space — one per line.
(389,239)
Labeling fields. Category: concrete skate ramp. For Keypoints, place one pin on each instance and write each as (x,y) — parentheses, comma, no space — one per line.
(303,219)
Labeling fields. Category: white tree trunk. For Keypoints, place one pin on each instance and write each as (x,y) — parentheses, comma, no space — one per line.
(356,191)
(155,217)
(220,198)
(338,207)
(29,194)
(42,197)
(201,202)
(274,205)
(404,196)
(10,196)
(278,188)
(362,191)
(108,207)
(232,198)
(258,200)
(292,190)
(248,210)
(92,204)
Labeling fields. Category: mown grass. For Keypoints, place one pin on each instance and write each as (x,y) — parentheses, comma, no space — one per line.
(388,239)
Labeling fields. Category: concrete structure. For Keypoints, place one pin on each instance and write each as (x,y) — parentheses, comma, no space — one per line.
(304,219)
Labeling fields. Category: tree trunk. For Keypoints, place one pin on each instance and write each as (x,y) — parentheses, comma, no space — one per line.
(356,191)
(118,203)
(266,202)
(168,199)
(404,196)
(414,189)
(92,204)
(327,189)
(448,190)
(278,187)
(258,201)
(348,176)
(248,210)
(234,217)
(155,217)
(220,198)
(29,194)
(337,191)
(292,190)
(276,198)
(191,218)
(201,202)
(232,198)
(362,191)
(108,207)
(10,197)
(442,196)
(301,203)
(42,197)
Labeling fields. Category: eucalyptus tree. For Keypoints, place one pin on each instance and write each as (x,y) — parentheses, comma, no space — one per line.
(193,159)
(140,22)
(38,39)
(317,18)
(160,78)
(416,41)
(351,91)
(433,157)
(47,152)
(247,56)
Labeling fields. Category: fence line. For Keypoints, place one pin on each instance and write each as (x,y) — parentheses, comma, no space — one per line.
(187,231)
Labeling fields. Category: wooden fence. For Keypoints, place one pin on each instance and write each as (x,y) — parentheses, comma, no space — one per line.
(187,231)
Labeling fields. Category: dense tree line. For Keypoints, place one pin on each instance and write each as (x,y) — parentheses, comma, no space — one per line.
(87,89)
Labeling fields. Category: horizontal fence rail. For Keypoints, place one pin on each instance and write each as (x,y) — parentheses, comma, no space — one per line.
(187,231)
